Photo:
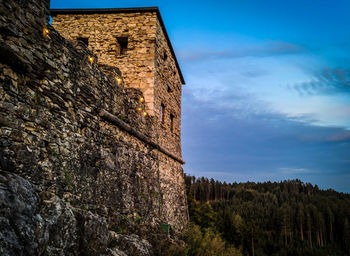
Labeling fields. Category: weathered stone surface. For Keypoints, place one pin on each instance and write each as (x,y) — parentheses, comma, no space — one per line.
(20,222)
(102,32)
(130,244)
(61,227)
(115,252)
(96,234)
(29,226)
(147,63)
(91,174)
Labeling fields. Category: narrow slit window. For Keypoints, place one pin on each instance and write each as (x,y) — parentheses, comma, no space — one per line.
(172,123)
(83,40)
(123,44)
(169,88)
(162,113)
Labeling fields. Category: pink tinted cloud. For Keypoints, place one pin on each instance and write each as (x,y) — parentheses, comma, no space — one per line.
(339,137)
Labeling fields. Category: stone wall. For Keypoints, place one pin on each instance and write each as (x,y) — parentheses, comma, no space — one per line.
(102,30)
(168,93)
(147,64)
(51,132)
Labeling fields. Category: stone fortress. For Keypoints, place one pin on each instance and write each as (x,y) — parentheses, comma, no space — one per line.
(135,41)
(90,130)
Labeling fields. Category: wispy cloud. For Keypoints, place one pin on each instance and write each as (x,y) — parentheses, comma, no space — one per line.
(271,48)
(292,171)
(327,81)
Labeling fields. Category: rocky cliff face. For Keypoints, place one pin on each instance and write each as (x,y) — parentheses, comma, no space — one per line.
(73,182)
(32,226)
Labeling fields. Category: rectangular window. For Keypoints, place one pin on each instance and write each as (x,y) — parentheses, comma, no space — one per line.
(123,44)
(171,123)
(162,113)
(83,40)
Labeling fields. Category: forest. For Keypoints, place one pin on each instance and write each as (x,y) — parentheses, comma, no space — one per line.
(269,218)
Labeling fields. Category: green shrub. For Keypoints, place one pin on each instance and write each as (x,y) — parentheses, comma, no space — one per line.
(199,243)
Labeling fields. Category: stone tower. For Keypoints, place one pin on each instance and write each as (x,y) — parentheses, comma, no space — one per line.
(134,40)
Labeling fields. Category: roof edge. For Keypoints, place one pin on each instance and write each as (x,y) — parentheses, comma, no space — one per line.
(54,12)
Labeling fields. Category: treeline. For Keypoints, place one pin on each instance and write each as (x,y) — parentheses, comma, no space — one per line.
(272,218)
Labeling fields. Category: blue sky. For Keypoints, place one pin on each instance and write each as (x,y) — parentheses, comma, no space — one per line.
(267,94)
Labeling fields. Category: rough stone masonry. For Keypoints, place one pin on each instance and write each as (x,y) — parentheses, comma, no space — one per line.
(74,144)
(134,40)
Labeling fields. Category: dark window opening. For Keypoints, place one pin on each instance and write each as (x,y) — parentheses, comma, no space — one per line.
(169,89)
(162,113)
(165,56)
(123,44)
(83,40)
(172,123)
